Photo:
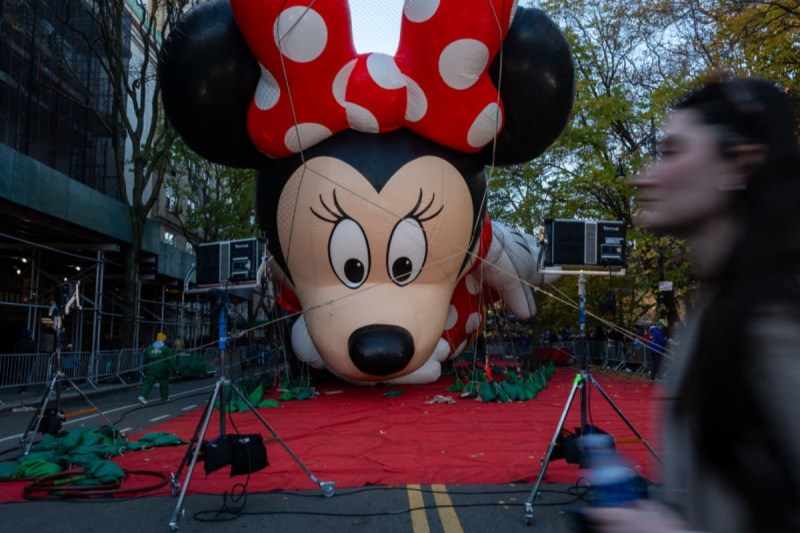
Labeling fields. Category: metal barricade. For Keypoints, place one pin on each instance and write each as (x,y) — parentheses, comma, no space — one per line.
(24,369)
(615,355)
(627,357)
(641,357)
(76,365)
(103,366)
(597,351)
(130,366)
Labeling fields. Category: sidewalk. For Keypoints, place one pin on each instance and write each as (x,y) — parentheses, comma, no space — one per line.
(11,400)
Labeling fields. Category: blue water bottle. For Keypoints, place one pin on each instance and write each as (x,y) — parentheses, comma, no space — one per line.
(613,481)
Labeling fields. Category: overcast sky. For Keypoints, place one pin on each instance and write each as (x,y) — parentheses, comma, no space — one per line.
(376,25)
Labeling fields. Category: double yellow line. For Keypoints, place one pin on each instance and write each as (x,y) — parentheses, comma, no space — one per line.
(419,515)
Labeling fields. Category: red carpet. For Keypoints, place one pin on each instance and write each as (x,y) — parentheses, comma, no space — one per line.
(356,436)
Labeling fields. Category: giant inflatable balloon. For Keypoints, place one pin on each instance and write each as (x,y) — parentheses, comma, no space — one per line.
(371,168)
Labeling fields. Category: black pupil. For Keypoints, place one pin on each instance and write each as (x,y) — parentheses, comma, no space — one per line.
(401,269)
(354,270)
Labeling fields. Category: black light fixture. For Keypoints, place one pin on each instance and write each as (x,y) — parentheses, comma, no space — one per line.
(620,169)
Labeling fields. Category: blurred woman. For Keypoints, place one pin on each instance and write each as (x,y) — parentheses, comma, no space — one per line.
(728,182)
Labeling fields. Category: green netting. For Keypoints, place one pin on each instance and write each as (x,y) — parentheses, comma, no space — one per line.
(38,456)
(90,449)
(7,469)
(35,468)
(105,471)
(82,459)
(193,370)
(160,438)
(256,395)
(513,388)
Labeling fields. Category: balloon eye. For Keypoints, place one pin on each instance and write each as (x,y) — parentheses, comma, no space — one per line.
(408,248)
(348,251)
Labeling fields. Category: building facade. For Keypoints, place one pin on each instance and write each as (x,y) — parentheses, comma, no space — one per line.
(62,218)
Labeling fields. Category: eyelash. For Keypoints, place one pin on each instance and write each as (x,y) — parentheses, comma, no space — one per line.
(416,213)
(337,215)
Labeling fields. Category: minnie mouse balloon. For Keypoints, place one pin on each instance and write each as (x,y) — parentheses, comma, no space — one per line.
(371,185)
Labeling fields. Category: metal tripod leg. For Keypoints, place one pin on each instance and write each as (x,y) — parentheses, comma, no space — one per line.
(26,441)
(173,525)
(327,487)
(194,441)
(87,400)
(578,383)
(622,416)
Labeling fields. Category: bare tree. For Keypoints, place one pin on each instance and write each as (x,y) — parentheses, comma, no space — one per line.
(124,37)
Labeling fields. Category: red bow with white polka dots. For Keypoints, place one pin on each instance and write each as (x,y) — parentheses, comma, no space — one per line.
(313,83)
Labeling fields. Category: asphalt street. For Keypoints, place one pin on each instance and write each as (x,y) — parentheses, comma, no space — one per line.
(414,508)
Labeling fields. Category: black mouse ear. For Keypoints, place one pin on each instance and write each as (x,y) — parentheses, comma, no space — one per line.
(208,77)
(537,87)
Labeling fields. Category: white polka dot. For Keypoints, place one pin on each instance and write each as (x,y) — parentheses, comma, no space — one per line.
(361,119)
(420,10)
(474,322)
(340,81)
(441,351)
(417,105)
(303,347)
(305,135)
(452,317)
(462,62)
(460,348)
(300,34)
(268,91)
(473,283)
(486,126)
(384,71)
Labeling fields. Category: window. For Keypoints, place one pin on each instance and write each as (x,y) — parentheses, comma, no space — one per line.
(169,238)
(171,199)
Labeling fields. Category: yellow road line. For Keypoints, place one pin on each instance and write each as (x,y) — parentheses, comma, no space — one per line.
(419,520)
(448,516)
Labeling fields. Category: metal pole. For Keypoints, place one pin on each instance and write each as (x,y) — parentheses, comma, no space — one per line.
(584,357)
(183,334)
(163,304)
(223,315)
(97,322)
(34,298)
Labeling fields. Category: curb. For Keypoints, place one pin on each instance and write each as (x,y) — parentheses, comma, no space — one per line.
(32,401)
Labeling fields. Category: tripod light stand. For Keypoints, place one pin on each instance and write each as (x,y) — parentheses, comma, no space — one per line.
(219,302)
(67,297)
(580,383)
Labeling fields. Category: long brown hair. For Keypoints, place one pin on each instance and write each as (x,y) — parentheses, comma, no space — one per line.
(730,428)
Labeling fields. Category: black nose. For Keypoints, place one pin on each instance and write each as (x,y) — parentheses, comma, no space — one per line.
(381,349)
